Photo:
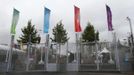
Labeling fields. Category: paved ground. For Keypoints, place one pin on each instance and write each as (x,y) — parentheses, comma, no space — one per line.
(66,73)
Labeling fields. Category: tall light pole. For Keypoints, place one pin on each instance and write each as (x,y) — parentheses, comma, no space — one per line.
(129,20)
(41,50)
(28,52)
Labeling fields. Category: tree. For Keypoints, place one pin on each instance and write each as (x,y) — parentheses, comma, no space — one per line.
(89,34)
(59,35)
(29,32)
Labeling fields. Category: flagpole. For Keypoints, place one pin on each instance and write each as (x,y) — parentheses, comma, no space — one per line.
(76,57)
(97,59)
(28,52)
(46,28)
(77,30)
(116,51)
(77,50)
(46,50)
(10,54)
(110,28)
(67,53)
(13,26)
(7,55)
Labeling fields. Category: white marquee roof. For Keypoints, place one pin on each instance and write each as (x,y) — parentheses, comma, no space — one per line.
(4,47)
(105,50)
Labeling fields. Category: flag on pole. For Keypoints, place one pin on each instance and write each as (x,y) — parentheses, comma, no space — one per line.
(14,21)
(109,18)
(77,19)
(46,19)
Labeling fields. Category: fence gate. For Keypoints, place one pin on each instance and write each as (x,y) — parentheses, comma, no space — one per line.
(62,58)
(97,57)
(68,57)
(35,57)
(57,57)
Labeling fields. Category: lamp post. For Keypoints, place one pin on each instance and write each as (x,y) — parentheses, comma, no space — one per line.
(41,58)
(28,52)
(41,50)
(129,20)
(97,59)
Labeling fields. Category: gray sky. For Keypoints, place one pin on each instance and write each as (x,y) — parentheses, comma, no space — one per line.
(93,11)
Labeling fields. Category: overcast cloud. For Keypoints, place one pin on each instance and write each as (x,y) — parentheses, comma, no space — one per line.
(93,11)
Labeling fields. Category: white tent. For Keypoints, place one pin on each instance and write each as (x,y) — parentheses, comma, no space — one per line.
(104,51)
(7,48)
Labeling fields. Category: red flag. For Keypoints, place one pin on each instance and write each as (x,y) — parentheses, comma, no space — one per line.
(77,19)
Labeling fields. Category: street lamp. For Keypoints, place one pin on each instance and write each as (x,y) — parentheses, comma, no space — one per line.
(41,58)
(41,50)
(129,20)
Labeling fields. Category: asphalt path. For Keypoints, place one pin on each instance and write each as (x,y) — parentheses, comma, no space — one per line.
(67,73)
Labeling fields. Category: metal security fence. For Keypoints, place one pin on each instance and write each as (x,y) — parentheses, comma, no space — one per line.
(100,56)
(97,56)
(18,59)
(36,58)
(62,58)
(3,66)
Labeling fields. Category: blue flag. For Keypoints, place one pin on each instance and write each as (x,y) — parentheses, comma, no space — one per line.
(46,20)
